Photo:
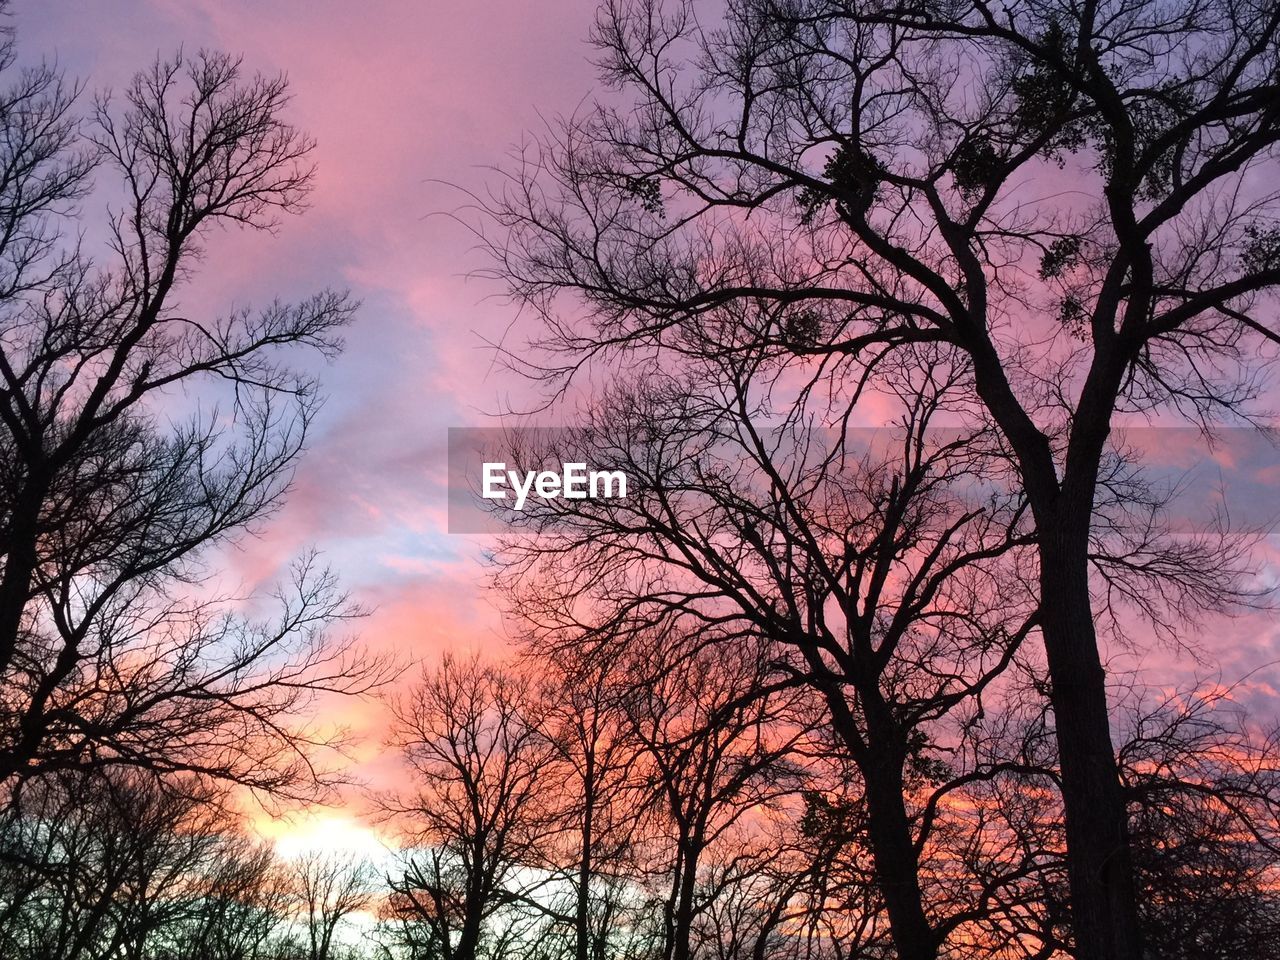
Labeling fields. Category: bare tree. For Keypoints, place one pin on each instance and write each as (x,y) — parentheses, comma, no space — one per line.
(473,815)
(861,178)
(107,513)
(126,864)
(714,755)
(1201,793)
(884,573)
(1204,794)
(330,888)
(238,909)
(589,799)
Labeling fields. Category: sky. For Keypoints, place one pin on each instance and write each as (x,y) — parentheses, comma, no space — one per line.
(411,103)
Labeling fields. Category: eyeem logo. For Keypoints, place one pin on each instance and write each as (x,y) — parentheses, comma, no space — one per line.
(574,482)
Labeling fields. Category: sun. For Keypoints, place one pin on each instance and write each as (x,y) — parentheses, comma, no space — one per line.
(311,832)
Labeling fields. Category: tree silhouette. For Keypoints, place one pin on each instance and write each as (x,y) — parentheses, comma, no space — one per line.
(114,646)
(588,787)
(473,813)
(883,572)
(329,888)
(1076,199)
(126,863)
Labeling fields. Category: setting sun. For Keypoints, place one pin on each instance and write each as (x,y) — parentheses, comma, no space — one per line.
(324,833)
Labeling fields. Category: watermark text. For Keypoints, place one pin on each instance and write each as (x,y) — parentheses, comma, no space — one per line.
(573,482)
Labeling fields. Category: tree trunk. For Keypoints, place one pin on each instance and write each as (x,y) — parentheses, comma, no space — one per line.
(19,564)
(1104,905)
(682,919)
(1100,871)
(582,913)
(888,827)
(897,869)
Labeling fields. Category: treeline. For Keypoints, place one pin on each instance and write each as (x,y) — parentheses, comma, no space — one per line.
(131,865)
(661,809)
(645,810)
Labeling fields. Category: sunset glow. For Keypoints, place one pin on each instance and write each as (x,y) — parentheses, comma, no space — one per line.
(325,833)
